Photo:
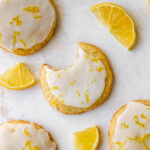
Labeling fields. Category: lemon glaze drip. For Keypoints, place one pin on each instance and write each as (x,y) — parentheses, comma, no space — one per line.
(34,10)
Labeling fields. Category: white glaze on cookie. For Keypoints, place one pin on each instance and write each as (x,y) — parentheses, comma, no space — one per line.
(24,137)
(25,23)
(132,131)
(81,84)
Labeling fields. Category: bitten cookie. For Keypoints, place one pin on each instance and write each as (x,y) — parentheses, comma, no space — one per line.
(26,25)
(130,127)
(23,135)
(82,86)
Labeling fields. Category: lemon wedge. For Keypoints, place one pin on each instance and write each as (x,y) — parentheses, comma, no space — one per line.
(117,21)
(87,139)
(18,77)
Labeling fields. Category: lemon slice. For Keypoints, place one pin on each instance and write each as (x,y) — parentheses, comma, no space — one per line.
(87,139)
(17,77)
(118,22)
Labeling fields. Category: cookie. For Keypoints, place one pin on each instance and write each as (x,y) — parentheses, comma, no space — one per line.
(129,128)
(22,135)
(26,26)
(81,87)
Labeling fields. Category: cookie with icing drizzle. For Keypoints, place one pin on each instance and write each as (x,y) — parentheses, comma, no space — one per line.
(26,26)
(23,135)
(130,127)
(80,87)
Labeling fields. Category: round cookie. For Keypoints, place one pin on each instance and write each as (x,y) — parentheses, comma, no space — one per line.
(26,26)
(78,90)
(22,135)
(129,127)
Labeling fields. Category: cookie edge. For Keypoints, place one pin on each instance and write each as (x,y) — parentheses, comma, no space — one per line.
(30,123)
(38,46)
(75,110)
(115,117)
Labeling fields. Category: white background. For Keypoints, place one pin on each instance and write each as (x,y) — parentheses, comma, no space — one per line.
(76,23)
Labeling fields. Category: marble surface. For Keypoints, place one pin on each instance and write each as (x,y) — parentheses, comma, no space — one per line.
(77,23)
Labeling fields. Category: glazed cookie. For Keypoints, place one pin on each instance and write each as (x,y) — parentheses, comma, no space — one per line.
(130,127)
(82,86)
(23,135)
(26,25)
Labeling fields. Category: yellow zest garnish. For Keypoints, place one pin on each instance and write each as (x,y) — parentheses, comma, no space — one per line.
(72,83)
(62,101)
(34,10)
(16,20)
(121,145)
(28,143)
(24,43)
(36,148)
(138,122)
(1,38)
(58,75)
(87,96)
(95,59)
(87,56)
(144,139)
(136,139)
(99,69)
(91,70)
(26,132)
(124,125)
(148,108)
(30,146)
(144,117)
(95,79)
(53,103)
(55,88)
(78,93)
(15,36)
(135,117)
